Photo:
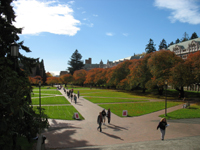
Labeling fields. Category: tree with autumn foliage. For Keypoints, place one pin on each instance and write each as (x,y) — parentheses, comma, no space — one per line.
(139,73)
(160,64)
(181,76)
(193,60)
(66,78)
(80,76)
(53,80)
(90,77)
(120,72)
(100,78)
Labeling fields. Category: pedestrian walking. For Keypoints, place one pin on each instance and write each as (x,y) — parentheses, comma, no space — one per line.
(109,115)
(104,116)
(99,121)
(78,94)
(71,97)
(75,98)
(162,125)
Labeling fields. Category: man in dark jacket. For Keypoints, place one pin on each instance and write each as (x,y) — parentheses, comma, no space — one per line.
(104,115)
(109,115)
(99,121)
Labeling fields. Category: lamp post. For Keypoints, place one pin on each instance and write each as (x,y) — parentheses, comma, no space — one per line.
(40,99)
(166,98)
(14,51)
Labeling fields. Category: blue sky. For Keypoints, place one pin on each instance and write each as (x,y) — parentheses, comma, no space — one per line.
(101,29)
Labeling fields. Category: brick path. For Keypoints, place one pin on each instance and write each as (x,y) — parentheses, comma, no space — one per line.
(66,134)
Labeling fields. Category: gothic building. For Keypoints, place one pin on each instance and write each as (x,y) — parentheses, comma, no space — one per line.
(184,48)
(88,63)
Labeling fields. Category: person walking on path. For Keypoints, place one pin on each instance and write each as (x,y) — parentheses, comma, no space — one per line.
(71,97)
(104,116)
(75,98)
(99,121)
(162,125)
(78,94)
(109,115)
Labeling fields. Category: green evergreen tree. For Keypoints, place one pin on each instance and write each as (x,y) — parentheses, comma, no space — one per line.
(194,36)
(163,45)
(185,37)
(75,62)
(172,43)
(177,41)
(17,116)
(44,78)
(150,47)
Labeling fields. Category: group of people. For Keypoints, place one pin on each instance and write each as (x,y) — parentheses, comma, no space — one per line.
(101,119)
(72,96)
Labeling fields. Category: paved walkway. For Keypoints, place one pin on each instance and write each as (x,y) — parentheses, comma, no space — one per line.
(72,134)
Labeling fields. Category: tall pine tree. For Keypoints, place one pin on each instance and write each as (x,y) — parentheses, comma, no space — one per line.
(17,116)
(194,36)
(75,62)
(150,47)
(163,45)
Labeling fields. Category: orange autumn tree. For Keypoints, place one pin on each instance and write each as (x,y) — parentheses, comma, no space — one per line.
(99,76)
(48,74)
(90,77)
(80,76)
(120,72)
(108,77)
(66,78)
(52,80)
(193,60)
(139,73)
(160,64)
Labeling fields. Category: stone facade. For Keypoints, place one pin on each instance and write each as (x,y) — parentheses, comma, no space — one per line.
(184,48)
(110,64)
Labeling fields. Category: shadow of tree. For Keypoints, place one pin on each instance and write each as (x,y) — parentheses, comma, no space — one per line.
(61,136)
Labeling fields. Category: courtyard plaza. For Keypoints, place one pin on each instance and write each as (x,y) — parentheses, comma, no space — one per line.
(123,133)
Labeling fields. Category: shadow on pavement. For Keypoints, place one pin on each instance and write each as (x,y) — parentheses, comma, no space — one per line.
(112,136)
(112,126)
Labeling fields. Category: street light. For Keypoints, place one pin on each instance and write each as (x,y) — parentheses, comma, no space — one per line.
(166,98)
(14,51)
(40,100)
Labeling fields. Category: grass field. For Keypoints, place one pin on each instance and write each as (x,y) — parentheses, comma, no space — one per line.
(61,112)
(50,100)
(108,93)
(138,109)
(112,100)
(55,92)
(192,112)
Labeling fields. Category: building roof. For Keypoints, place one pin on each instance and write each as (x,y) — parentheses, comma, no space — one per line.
(183,45)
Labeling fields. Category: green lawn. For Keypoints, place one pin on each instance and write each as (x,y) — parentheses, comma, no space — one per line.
(50,100)
(55,92)
(192,112)
(108,93)
(138,109)
(61,112)
(111,100)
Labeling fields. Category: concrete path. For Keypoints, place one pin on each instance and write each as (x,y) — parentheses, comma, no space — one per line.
(68,134)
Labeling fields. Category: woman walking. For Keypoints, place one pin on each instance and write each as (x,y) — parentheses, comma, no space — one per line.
(162,125)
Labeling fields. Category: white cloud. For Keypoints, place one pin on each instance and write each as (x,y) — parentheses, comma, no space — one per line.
(36,17)
(186,11)
(109,34)
(83,12)
(95,15)
(125,34)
